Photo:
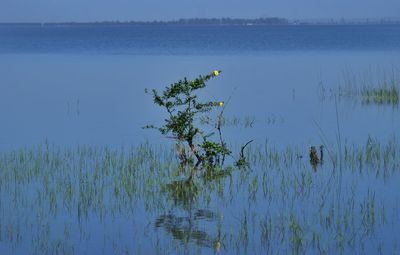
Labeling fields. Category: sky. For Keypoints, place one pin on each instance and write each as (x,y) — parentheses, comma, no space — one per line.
(146,10)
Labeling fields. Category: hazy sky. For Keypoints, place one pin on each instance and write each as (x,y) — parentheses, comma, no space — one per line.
(100,10)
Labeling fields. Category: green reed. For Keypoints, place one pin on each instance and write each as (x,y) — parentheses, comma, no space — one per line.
(364,88)
(285,206)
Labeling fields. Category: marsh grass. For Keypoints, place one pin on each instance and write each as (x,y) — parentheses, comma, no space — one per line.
(384,95)
(138,199)
(382,90)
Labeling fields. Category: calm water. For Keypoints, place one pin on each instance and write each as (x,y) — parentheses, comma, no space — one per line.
(84,86)
(198,40)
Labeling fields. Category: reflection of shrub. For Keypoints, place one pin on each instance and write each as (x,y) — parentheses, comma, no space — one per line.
(184,112)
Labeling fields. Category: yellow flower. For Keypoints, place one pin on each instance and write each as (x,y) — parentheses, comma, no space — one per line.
(216,72)
(221,103)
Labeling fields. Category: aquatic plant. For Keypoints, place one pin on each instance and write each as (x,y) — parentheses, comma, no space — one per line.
(381,95)
(60,200)
(185,115)
(382,90)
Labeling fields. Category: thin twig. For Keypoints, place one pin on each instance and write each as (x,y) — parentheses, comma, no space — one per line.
(243,147)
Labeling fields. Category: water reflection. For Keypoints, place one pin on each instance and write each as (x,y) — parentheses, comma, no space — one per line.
(189,228)
(183,193)
(186,223)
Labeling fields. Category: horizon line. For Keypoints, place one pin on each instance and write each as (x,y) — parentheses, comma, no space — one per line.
(231,19)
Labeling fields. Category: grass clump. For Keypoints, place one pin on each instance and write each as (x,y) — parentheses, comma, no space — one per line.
(382,90)
(381,95)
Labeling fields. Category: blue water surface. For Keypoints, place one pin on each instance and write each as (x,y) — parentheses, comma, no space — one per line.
(195,40)
(77,92)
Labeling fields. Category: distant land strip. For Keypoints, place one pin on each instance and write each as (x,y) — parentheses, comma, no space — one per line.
(222,22)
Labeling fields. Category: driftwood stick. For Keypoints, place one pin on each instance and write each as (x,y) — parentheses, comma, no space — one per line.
(243,147)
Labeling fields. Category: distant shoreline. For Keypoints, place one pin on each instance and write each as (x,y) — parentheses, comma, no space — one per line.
(273,21)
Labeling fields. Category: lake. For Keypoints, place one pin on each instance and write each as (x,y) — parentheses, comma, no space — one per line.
(78,174)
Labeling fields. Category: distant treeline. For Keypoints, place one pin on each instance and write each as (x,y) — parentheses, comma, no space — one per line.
(190,22)
(225,22)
